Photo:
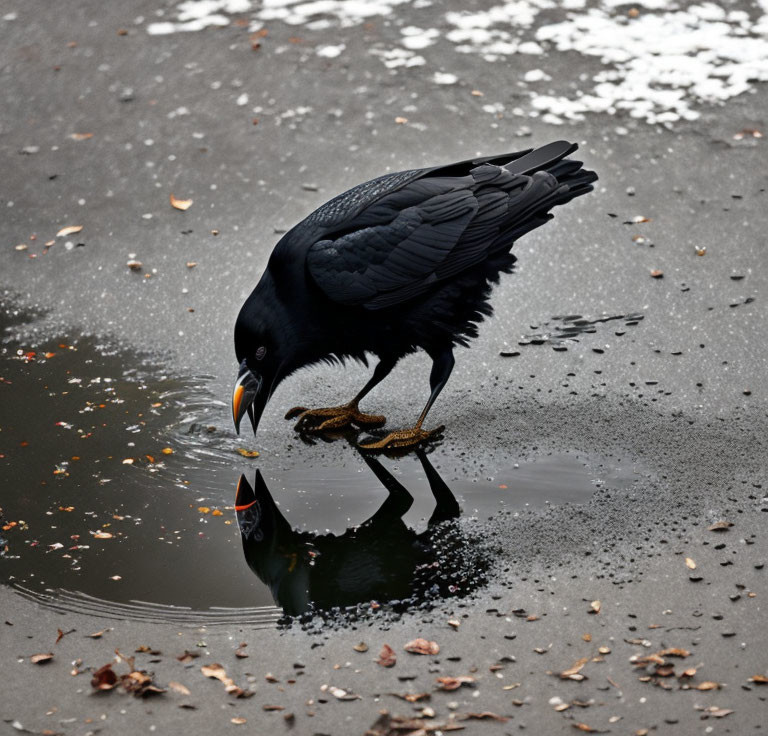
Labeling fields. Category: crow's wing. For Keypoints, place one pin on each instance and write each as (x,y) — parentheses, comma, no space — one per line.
(403,241)
(392,249)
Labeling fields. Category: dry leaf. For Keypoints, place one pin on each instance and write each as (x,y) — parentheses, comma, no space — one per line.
(104,678)
(586,637)
(179,688)
(217,672)
(759,680)
(572,673)
(412,697)
(81,136)
(656,274)
(675,652)
(180,204)
(719,712)
(102,535)
(422,646)
(708,685)
(187,657)
(690,564)
(238,721)
(454,683)
(41,658)
(584,727)
(341,694)
(387,656)
(361,647)
(69,230)
(485,715)
(98,634)
(720,526)
(272,707)
(604,650)
(247,453)
(595,607)
(455,623)
(401,120)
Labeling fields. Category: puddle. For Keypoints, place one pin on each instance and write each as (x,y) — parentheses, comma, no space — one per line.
(118,498)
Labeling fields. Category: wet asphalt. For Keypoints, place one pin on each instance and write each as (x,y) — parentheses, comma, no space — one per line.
(676,402)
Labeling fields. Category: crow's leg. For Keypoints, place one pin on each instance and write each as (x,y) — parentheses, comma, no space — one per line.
(339,417)
(442,365)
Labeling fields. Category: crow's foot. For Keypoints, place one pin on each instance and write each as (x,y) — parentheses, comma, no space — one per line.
(332,418)
(403,439)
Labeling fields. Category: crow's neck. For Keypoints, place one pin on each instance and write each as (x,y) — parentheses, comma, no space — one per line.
(288,314)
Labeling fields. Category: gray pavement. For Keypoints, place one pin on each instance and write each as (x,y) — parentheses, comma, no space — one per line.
(681,397)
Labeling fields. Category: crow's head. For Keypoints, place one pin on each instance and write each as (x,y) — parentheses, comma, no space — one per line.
(259,372)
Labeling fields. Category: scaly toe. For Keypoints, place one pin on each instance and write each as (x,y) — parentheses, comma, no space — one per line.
(404,438)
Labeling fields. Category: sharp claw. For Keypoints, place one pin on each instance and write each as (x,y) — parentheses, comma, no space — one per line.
(291,413)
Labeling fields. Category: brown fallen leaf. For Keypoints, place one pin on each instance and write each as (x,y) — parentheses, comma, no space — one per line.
(180,204)
(177,687)
(361,647)
(248,453)
(81,136)
(341,694)
(485,715)
(61,634)
(656,274)
(572,673)
(241,653)
(238,720)
(187,657)
(69,230)
(422,646)
(272,707)
(719,712)
(102,535)
(708,685)
(217,672)
(584,727)
(140,684)
(690,564)
(454,683)
(595,607)
(104,678)
(759,679)
(690,672)
(675,652)
(41,658)
(412,697)
(720,526)
(401,120)
(387,656)
(98,634)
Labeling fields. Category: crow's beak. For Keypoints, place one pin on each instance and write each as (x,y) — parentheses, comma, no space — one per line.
(247,397)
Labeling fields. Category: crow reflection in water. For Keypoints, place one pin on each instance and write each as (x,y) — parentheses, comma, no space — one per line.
(382,560)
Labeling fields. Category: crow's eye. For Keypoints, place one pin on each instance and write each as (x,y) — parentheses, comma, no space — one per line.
(261,352)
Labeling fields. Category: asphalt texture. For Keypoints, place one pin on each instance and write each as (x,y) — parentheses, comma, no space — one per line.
(680,397)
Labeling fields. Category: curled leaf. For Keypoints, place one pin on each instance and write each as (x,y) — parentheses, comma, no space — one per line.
(387,656)
(69,230)
(41,658)
(454,683)
(422,646)
(180,204)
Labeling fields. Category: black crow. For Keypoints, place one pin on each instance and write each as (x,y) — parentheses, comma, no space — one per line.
(398,263)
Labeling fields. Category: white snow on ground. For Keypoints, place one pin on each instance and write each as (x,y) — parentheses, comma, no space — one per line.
(660,59)
(194,15)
